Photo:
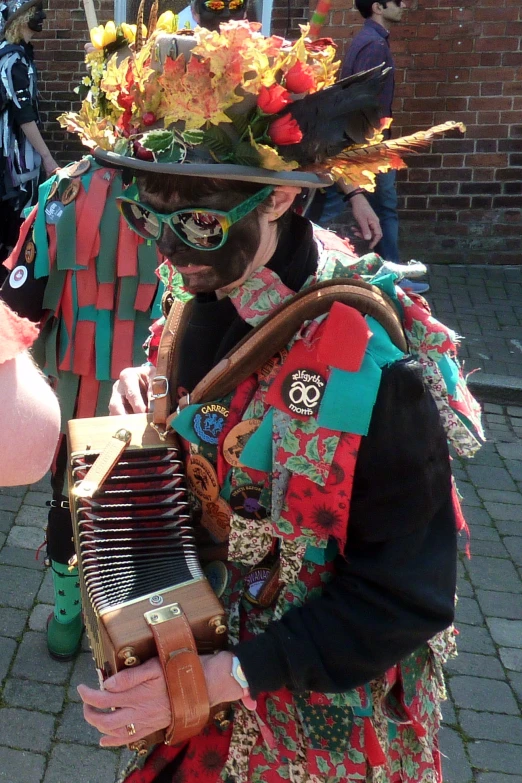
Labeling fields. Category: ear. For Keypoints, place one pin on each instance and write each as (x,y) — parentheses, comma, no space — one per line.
(281,201)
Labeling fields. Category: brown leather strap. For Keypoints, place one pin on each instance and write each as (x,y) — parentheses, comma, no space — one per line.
(166,368)
(183,672)
(277,330)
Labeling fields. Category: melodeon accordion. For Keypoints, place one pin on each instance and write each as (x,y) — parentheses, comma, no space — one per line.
(138,567)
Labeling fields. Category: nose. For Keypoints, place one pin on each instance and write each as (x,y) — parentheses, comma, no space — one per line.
(169,244)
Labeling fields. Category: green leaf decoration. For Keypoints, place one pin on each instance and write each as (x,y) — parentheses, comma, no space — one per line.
(121,147)
(193,137)
(240,120)
(245,155)
(218,141)
(158,141)
(173,154)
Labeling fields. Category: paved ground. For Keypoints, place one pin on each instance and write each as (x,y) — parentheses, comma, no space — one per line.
(43,738)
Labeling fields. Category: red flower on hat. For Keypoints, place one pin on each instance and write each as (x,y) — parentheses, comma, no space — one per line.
(285,130)
(299,78)
(272,99)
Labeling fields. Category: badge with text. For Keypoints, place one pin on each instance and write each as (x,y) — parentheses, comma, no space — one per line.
(245,501)
(70,192)
(236,440)
(262,585)
(209,421)
(53,212)
(216,519)
(52,191)
(202,479)
(300,384)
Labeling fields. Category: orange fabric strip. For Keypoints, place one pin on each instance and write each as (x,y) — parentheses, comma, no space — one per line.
(87,397)
(92,211)
(122,346)
(83,363)
(87,286)
(12,260)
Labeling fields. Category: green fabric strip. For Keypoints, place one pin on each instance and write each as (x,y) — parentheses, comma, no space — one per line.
(147,262)
(87,313)
(66,238)
(67,390)
(141,333)
(380,347)
(128,288)
(53,290)
(41,263)
(156,311)
(319,555)
(104,395)
(257,453)
(51,350)
(183,424)
(349,398)
(450,373)
(110,220)
(103,342)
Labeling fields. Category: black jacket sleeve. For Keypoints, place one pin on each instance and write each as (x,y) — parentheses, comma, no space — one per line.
(395,587)
(22,292)
(26,112)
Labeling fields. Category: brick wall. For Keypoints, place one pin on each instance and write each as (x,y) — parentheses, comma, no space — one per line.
(461,199)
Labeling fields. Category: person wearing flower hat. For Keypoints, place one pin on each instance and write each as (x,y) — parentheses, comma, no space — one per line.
(23,152)
(331,459)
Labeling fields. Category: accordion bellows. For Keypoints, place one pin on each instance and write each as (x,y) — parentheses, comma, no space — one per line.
(135,544)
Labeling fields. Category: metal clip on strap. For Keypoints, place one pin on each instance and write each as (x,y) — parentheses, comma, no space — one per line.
(186,684)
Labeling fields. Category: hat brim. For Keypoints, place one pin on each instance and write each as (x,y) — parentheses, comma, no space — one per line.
(298,179)
(26,7)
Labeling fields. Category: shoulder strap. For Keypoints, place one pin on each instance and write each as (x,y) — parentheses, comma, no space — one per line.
(278,329)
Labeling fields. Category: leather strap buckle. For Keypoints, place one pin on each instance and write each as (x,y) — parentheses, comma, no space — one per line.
(160,387)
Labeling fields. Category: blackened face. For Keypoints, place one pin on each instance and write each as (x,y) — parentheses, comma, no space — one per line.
(206,271)
(212,12)
(36,21)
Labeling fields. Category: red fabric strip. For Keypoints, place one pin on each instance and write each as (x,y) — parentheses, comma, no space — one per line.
(87,286)
(92,211)
(83,362)
(122,346)
(12,260)
(51,238)
(144,296)
(87,397)
(67,315)
(105,299)
(372,746)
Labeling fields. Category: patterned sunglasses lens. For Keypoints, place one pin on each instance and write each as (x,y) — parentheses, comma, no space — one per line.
(199,229)
(143,222)
(217,6)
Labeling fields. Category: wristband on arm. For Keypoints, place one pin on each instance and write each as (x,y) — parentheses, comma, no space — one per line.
(352,193)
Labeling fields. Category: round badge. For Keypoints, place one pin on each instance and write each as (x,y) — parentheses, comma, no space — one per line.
(255,581)
(52,191)
(70,192)
(209,421)
(245,502)
(202,478)
(79,168)
(302,391)
(30,252)
(18,277)
(216,519)
(53,211)
(217,575)
(236,439)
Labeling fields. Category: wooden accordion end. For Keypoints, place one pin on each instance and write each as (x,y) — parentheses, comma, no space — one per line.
(135,546)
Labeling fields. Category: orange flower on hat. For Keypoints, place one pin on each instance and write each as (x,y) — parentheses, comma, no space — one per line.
(272,99)
(299,78)
(285,130)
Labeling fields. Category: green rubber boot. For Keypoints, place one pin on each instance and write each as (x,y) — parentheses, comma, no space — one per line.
(65,626)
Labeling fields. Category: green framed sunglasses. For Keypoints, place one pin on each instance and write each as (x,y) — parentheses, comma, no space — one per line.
(197,227)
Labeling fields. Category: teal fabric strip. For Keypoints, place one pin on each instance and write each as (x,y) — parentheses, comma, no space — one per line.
(128,288)
(450,373)
(156,311)
(226,489)
(141,333)
(41,262)
(53,290)
(103,341)
(67,391)
(51,350)
(104,395)
(66,238)
(380,347)
(320,556)
(147,262)
(110,220)
(366,710)
(183,423)
(392,731)
(257,453)
(349,398)
(387,284)
(88,313)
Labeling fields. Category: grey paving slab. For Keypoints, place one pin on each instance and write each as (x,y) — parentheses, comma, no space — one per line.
(475,640)
(498,777)
(26,730)
(33,662)
(494,756)
(476,666)
(7,651)
(514,547)
(18,586)
(25,537)
(488,548)
(46,593)
(101,764)
(21,767)
(511,658)
(490,726)
(495,604)
(73,727)
(16,556)
(482,535)
(33,695)
(12,622)
(449,716)
(477,517)
(499,496)
(84,673)
(509,528)
(510,450)
(10,503)
(455,765)
(515,680)
(17,492)
(6,521)
(488,477)
(468,611)
(476,693)
(32,515)
(492,573)
(39,615)
(37,499)
(506,633)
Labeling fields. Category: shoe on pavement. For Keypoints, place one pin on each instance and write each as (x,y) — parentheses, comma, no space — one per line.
(64,639)
(413,286)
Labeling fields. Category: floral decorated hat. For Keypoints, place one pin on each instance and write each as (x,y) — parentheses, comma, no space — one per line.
(233,104)
(10,10)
